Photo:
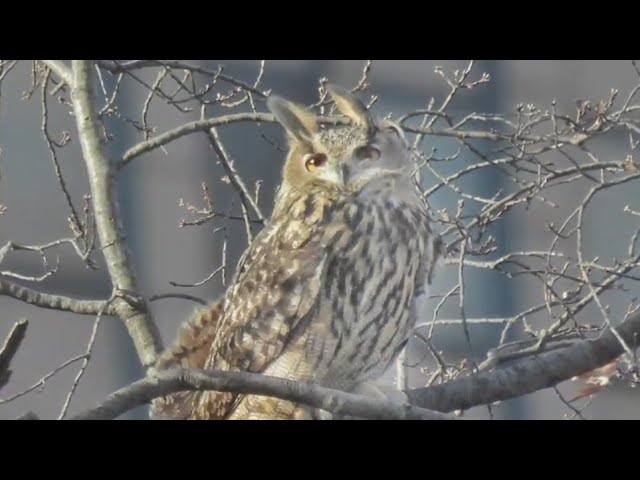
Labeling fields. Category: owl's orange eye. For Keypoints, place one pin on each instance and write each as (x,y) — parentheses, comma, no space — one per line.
(314,161)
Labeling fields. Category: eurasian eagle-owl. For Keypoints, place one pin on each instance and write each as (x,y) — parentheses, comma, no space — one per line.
(326,292)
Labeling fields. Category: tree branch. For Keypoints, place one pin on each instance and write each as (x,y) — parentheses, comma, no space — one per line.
(10,348)
(544,371)
(108,221)
(191,127)
(115,67)
(236,180)
(175,380)
(54,302)
(205,125)
(60,69)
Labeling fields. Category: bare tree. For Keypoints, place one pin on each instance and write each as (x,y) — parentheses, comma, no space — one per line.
(569,332)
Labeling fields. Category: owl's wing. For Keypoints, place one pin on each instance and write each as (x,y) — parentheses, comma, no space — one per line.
(277,283)
(190,350)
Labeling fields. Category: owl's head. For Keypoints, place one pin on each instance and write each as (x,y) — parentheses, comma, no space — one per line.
(373,147)
(346,156)
(308,161)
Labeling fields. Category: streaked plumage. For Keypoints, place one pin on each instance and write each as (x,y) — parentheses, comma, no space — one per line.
(190,350)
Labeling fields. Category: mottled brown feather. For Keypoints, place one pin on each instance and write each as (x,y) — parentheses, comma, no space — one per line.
(268,303)
(190,350)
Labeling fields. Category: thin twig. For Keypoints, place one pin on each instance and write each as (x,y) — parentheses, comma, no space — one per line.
(85,361)
(43,380)
(245,196)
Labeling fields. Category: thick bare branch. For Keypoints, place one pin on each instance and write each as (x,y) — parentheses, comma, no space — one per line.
(105,206)
(10,348)
(54,302)
(544,371)
(175,380)
(60,69)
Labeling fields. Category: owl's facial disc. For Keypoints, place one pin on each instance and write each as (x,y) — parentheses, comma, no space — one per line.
(384,153)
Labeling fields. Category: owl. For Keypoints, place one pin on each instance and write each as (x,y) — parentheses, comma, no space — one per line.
(327,291)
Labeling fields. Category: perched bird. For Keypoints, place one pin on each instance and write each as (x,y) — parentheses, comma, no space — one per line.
(327,291)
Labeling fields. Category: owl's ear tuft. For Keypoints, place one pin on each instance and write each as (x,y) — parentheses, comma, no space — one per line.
(299,123)
(351,106)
